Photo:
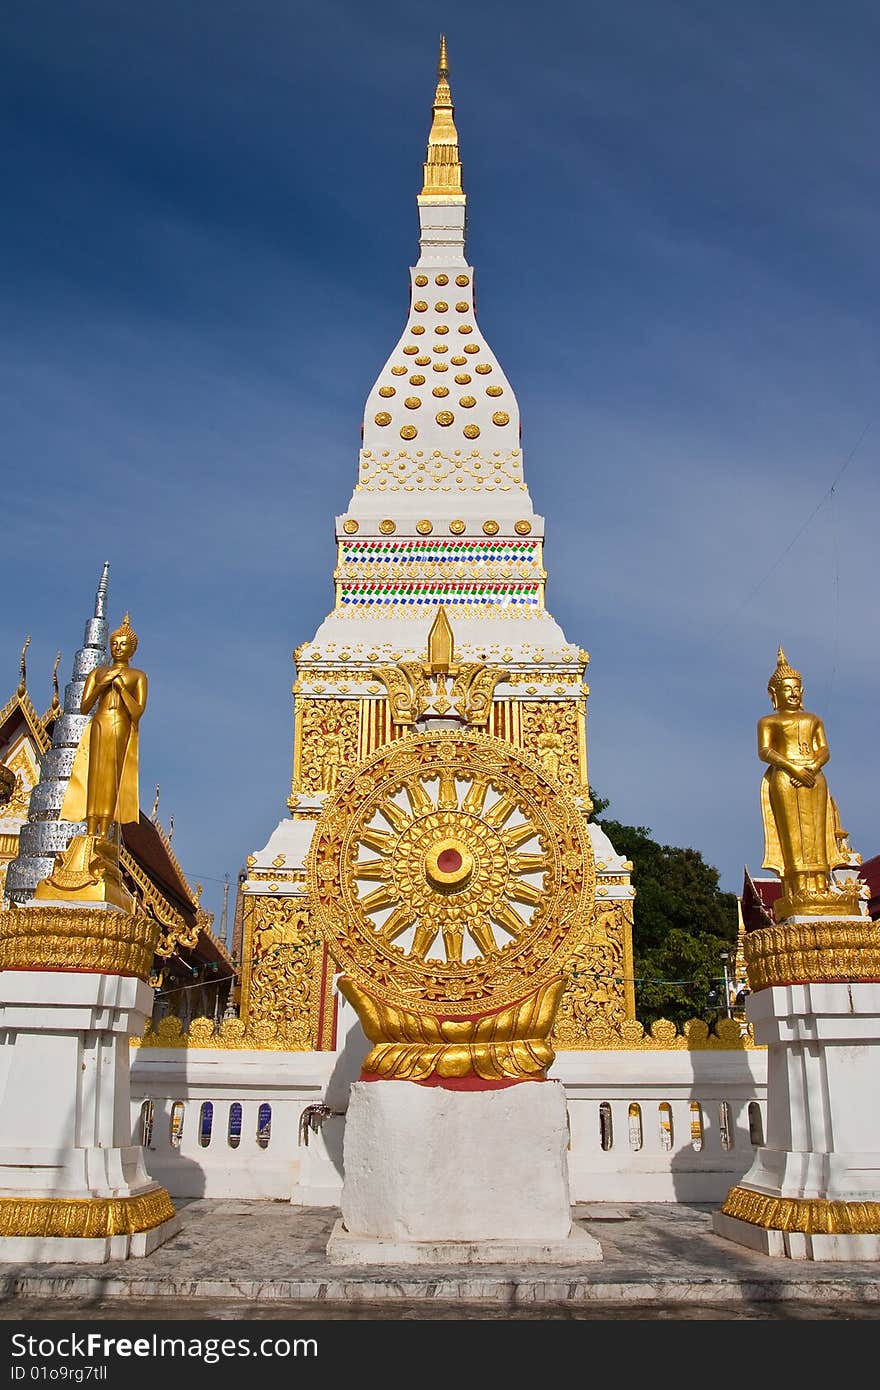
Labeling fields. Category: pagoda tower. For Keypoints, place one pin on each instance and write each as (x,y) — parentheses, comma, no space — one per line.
(439,621)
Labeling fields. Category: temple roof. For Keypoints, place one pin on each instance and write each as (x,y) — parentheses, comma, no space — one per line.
(756,903)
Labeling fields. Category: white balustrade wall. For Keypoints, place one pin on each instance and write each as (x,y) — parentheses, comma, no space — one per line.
(646,1126)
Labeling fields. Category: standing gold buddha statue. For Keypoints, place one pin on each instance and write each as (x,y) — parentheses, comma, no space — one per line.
(103,788)
(803,840)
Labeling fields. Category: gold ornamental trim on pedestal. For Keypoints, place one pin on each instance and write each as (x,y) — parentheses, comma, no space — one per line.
(510,1044)
(451,875)
(84,1218)
(817,952)
(809,1215)
(102,940)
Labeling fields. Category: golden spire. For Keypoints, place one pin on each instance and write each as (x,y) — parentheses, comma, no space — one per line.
(443,166)
(441,645)
(56,702)
(22,666)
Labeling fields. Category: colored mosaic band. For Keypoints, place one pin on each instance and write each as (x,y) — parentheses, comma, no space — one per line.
(439,549)
(488,594)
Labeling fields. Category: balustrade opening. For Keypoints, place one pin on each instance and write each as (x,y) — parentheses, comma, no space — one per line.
(233,1129)
(176,1124)
(147,1117)
(264,1125)
(667,1137)
(606,1126)
(696,1126)
(206,1123)
(635,1126)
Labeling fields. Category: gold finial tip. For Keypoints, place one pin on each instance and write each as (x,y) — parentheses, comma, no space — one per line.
(442,182)
(441,644)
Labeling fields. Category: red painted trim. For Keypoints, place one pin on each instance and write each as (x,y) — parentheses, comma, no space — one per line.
(458,1083)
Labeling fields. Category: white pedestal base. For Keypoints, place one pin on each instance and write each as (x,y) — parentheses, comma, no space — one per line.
(796,1245)
(85,1250)
(343,1248)
(823,1139)
(68,1168)
(437,1176)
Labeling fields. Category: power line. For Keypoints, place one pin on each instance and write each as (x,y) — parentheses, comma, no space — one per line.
(819,505)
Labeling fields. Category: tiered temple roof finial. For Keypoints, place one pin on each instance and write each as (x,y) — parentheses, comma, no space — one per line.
(101,595)
(22,666)
(45,835)
(442,181)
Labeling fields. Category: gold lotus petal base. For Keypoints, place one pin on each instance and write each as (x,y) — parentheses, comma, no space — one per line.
(803,903)
(810,1216)
(105,940)
(505,1046)
(84,1218)
(87,872)
(819,952)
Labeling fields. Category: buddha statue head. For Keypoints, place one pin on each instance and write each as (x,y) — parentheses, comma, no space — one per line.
(123,640)
(785,685)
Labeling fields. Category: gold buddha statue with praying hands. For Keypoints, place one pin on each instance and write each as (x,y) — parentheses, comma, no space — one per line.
(103,787)
(803,840)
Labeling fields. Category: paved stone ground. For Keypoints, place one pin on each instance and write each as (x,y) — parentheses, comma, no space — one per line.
(266,1260)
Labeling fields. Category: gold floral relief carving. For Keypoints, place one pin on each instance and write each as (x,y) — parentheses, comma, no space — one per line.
(550,731)
(283,989)
(23,764)
(283,984)
(596,975)
(328,739)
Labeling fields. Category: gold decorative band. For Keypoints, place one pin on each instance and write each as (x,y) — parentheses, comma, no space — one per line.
(812,1216)
(83,1217)
(510,1044)
(812,953)
(77,938)
(520,1061)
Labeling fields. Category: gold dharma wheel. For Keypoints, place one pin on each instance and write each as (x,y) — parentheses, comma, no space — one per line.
(449,873)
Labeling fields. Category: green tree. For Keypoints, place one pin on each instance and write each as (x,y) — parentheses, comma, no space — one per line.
(681,922)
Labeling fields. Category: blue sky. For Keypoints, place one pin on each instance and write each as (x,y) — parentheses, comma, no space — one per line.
(674,215)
